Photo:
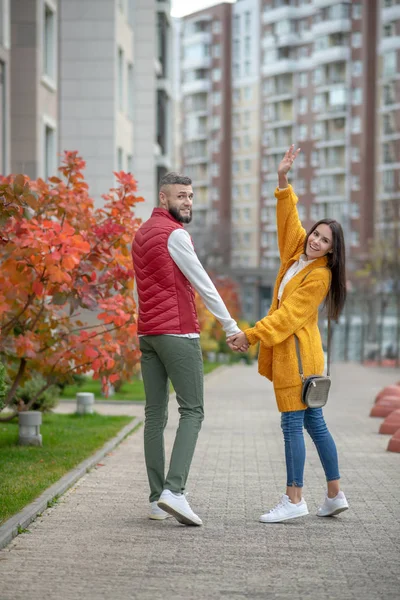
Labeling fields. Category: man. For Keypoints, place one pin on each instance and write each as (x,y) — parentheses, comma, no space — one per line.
(167,270)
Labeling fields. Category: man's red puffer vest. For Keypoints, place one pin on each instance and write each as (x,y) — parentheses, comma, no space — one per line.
(166,297)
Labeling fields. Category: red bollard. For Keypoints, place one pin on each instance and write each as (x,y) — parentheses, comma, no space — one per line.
(391,424)
(385,406)
(390,390)
(394,442)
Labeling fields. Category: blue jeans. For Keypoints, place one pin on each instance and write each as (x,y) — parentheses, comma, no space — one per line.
(312,419)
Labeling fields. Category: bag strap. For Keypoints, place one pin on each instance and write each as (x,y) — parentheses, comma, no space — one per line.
(296,339)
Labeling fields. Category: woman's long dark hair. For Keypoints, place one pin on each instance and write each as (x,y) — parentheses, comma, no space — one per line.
(336,297)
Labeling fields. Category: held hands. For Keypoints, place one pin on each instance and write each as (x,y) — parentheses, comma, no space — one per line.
(238,342)
(285,165)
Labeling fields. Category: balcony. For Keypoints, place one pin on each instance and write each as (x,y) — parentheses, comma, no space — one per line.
(333,140)
(331,26)
(324,3)
(279,97)
(280,122)
(277,67)
(194,87)
(331,170)
(201,37)
(337,111)
(278,14)
(333,54)
(392,13)
(389,43)
(199,62)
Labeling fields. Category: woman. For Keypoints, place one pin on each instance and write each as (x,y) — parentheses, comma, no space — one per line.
(312,270)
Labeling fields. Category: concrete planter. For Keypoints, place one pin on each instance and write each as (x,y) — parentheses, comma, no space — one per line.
(29,428)
(84,403)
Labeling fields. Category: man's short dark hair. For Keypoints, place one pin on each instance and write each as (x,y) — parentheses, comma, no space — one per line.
(174,179)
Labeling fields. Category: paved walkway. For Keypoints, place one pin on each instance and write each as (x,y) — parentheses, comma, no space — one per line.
(97,543)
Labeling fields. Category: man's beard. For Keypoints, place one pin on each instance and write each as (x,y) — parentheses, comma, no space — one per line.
(177,215)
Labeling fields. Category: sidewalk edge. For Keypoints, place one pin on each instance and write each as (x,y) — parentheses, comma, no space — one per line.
(9,529)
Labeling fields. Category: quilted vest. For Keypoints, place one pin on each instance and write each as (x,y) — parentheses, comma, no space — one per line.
(166,297)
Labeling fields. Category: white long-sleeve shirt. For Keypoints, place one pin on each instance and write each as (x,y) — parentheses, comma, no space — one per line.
(181,250)
(296,267)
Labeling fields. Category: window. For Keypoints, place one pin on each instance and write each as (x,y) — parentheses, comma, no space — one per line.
(317,131)
(49,43)
(388,181)
(356,125)
(314,186)
(120,159)
(247,214)
(303,80)
(356,99)
(247,68)
(216,27)
(247,47)
(355,182)
(50,153)
(357,10)
(216,74)
(247,165)
(131,94)
(354,210)
(248,93)
(356,39)
(247,21)
(303,132)
(355,154)
(303,106)
(120,79)
(356,68)
(314,158)
(129,163)
(390,63)
(354,238)
(216,51)
(216,98)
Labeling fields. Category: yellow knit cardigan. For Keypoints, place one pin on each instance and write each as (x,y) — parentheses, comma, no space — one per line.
(297,312)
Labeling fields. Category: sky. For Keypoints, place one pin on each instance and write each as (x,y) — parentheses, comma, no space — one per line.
(185,7)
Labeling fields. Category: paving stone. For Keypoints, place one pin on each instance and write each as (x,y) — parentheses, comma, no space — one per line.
(97,543)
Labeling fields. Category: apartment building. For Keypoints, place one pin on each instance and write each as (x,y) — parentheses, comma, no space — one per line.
(387,207)
(245,150)
(153,104)
(319,69)
(33,86)
(207,128)
(5,44)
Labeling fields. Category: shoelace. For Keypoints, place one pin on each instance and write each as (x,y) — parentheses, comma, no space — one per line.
(280,504)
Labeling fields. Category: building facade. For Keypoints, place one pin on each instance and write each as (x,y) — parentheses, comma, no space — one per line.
(318,92)
(34,88)
(93,76)
(5,45)
(206,99)
(387,206)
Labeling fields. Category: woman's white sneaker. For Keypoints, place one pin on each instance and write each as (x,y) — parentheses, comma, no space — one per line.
(156,513)
(177,506)
(285,510)
(333,506)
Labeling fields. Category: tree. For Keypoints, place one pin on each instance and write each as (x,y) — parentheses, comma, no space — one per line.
(212,334)
(66,279)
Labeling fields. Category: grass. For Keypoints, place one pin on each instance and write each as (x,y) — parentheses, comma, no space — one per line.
(27,471)
(131,390)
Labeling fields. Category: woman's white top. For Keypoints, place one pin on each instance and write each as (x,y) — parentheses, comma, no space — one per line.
(292,271)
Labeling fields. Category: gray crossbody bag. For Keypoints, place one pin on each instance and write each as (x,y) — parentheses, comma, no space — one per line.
(315,390)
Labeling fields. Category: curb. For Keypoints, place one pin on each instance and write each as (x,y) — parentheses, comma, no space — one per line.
(10,529)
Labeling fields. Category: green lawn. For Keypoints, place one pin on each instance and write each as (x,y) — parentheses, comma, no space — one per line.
(132,390)
(27,471)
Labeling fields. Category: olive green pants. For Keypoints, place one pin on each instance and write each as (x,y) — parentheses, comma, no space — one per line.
(179,359)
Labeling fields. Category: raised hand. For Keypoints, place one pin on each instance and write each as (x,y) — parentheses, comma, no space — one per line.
(287,161)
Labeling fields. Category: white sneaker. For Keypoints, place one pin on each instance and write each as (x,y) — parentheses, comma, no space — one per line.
(156,513)
(285,510)
(177,506)
(333,506)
